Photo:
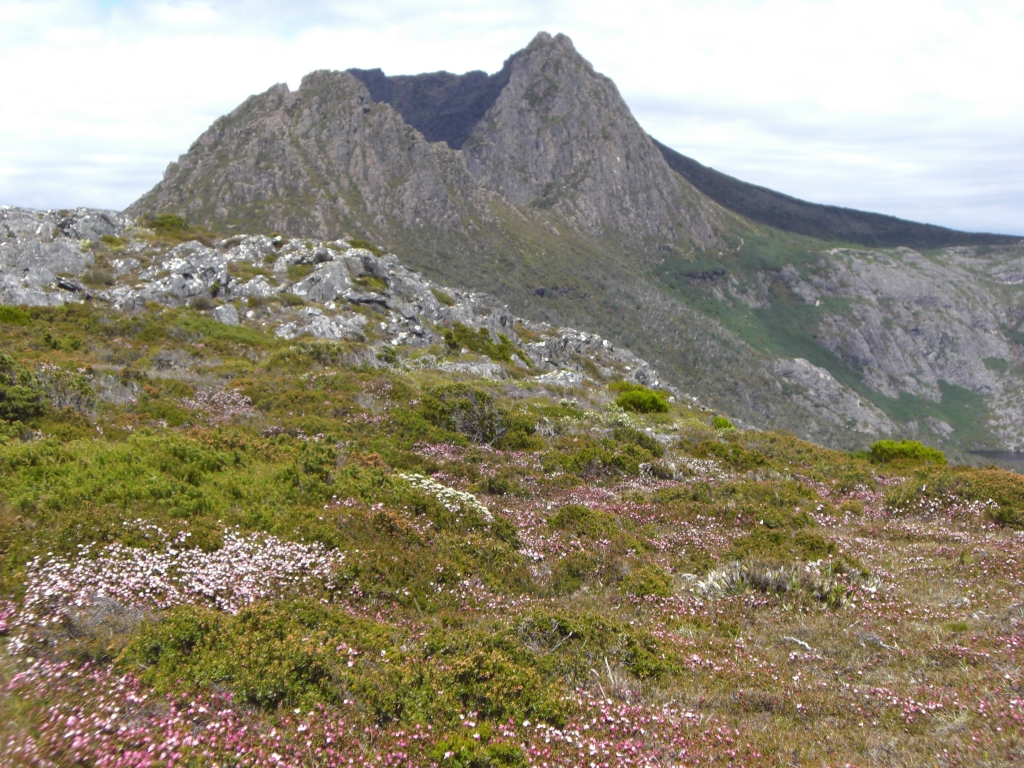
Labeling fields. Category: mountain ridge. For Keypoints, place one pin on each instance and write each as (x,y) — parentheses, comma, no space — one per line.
(826,222)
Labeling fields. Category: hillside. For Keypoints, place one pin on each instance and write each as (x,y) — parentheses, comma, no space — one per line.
(285,501)
(537,185)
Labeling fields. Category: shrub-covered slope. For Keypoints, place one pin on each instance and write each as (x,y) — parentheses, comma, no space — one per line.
(227,545)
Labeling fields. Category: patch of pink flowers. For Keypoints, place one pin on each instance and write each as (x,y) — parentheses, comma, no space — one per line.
(245,569)
(97,717)
(220,406)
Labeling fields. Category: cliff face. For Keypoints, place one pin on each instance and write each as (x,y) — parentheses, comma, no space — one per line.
(560,136)
(315,162)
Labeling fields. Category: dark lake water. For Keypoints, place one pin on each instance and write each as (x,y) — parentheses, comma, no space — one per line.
(1006,459)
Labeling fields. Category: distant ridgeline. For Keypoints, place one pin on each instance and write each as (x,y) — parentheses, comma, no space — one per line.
(826,222)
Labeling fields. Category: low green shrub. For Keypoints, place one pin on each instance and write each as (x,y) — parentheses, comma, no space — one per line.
(293,652)
(583,521)
(370,284)
(943,483)
(366,245)
(647,580)
(174,228)
(586,456)
(443,297)
(732,455)
(720,422)
(778,545)
(98,277)
(638,398)
(460,337)
(21,397)
(571,572)
(461,751)
(907,451)
(472,412)
(636,437)
(643,401)
(14,316)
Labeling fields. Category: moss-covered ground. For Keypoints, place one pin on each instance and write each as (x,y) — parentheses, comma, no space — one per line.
(221,548)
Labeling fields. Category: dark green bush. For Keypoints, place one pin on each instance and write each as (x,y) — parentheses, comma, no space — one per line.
(21,397)
(460,337)
(473,413)
(366,245)
(586,456)
(636,437)
(14,316)
(572,572)
(643,401)
(170,226)
(443,297)
(909,451)
(460,751)
(732,455)
(781,546)
(647,580)
(939,483)
(583,521)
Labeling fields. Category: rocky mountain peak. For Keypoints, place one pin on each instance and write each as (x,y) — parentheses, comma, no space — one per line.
(560,136)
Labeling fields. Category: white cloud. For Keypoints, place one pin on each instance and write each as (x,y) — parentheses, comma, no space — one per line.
(911,108)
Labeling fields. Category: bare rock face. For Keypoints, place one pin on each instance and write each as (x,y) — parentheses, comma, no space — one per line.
(315,163)
(560,137)
(42,255)
(329,158)
(818,391)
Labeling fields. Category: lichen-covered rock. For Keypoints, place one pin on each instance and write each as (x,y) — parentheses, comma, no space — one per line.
(318,325)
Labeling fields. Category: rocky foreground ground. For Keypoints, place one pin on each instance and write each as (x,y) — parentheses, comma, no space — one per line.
(294,288)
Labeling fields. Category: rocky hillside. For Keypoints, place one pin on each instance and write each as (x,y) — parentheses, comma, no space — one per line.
(294,289)
(537,185)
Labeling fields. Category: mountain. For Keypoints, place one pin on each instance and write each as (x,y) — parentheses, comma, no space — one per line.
(538,185)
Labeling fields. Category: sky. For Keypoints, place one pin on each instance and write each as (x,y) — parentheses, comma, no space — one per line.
(905,107)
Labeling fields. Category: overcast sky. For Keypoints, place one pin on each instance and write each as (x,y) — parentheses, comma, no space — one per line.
(905,107)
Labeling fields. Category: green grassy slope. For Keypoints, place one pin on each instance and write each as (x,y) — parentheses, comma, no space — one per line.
(277,553)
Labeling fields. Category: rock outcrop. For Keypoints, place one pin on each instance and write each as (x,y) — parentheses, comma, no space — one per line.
(560,136)
(322,290)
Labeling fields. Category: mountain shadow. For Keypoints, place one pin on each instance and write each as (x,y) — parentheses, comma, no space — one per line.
(440,105)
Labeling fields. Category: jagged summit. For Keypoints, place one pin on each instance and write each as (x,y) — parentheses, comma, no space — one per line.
(560,136)
(546,134)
